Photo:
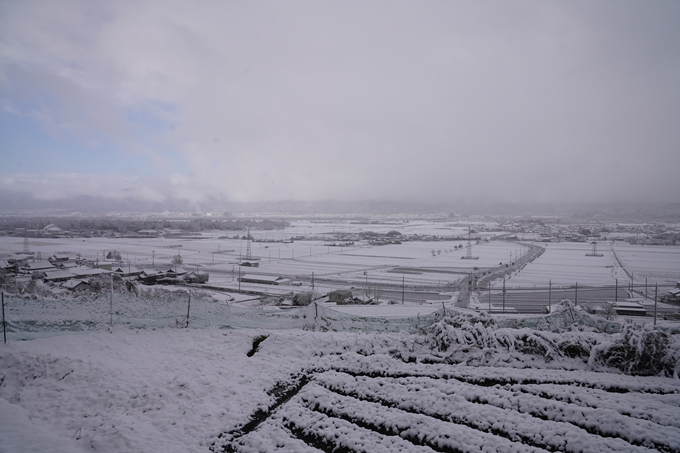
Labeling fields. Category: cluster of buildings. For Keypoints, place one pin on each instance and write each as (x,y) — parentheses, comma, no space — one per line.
(552,230)
(74,273)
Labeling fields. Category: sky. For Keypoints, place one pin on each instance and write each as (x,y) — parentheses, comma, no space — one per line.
(418,101)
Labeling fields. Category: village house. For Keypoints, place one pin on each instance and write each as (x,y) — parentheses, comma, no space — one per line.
(76,285)
(339,296)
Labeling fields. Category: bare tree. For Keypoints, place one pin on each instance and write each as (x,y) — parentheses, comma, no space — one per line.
(373,292)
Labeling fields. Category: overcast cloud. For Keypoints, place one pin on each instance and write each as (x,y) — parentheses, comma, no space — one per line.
(380,100)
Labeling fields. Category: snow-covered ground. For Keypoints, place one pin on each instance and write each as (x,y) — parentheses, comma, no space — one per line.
(384,378)
(566,263)
(192,390)
(171,390)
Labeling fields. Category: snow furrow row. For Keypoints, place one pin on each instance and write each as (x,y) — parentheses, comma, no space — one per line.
(600,421)
(386,366)
(268,437)
(332,434)
(417,428)
(655,408)
(513,425)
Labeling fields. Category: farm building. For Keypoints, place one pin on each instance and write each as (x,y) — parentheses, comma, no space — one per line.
(672,296)
(339,296)
(60,257)
(629,308)
(126,271)
(7,266)
(58,276)
(263,279)
(175,272)
(86,272)
(196,277)
(150,277)
(37,266)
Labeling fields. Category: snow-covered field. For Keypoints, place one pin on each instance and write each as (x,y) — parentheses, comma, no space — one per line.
(567,263)
(656,263)
(246,377)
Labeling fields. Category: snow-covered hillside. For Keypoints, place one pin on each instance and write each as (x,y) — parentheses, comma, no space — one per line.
(471,386)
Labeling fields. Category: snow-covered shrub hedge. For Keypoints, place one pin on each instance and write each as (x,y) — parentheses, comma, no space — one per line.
(638,350)
(479,330)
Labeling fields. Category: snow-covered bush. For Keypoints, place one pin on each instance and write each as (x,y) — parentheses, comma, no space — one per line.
(481,331)
(304,298)
(638,350)
(460,329)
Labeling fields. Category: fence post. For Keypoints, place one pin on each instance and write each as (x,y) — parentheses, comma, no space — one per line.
(489,295)
(111,302)
(188,308)
(4,324)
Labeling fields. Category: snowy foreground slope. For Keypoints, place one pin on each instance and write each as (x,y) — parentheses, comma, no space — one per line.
(191,390)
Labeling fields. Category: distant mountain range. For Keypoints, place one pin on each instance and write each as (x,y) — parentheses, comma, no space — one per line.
(15,203)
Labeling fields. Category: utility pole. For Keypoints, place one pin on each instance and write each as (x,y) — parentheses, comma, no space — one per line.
(549,296)
(111,303)
(188,308)
(366,290)
(403,281)
(469,293)
(312,281)
(632,282)
(4,324)
(576,295)
(656,292)
(503,293)
(616,290)
(239,278)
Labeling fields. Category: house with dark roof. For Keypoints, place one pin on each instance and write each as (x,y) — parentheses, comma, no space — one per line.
(175,272)
(339,296)
(76,285)
(59,257)
(126,271)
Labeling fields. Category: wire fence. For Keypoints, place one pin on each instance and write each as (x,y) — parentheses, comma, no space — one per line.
(31,316)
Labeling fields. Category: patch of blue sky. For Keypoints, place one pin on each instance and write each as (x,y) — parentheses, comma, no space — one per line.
(27,147)
(154,116)
(153,125)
